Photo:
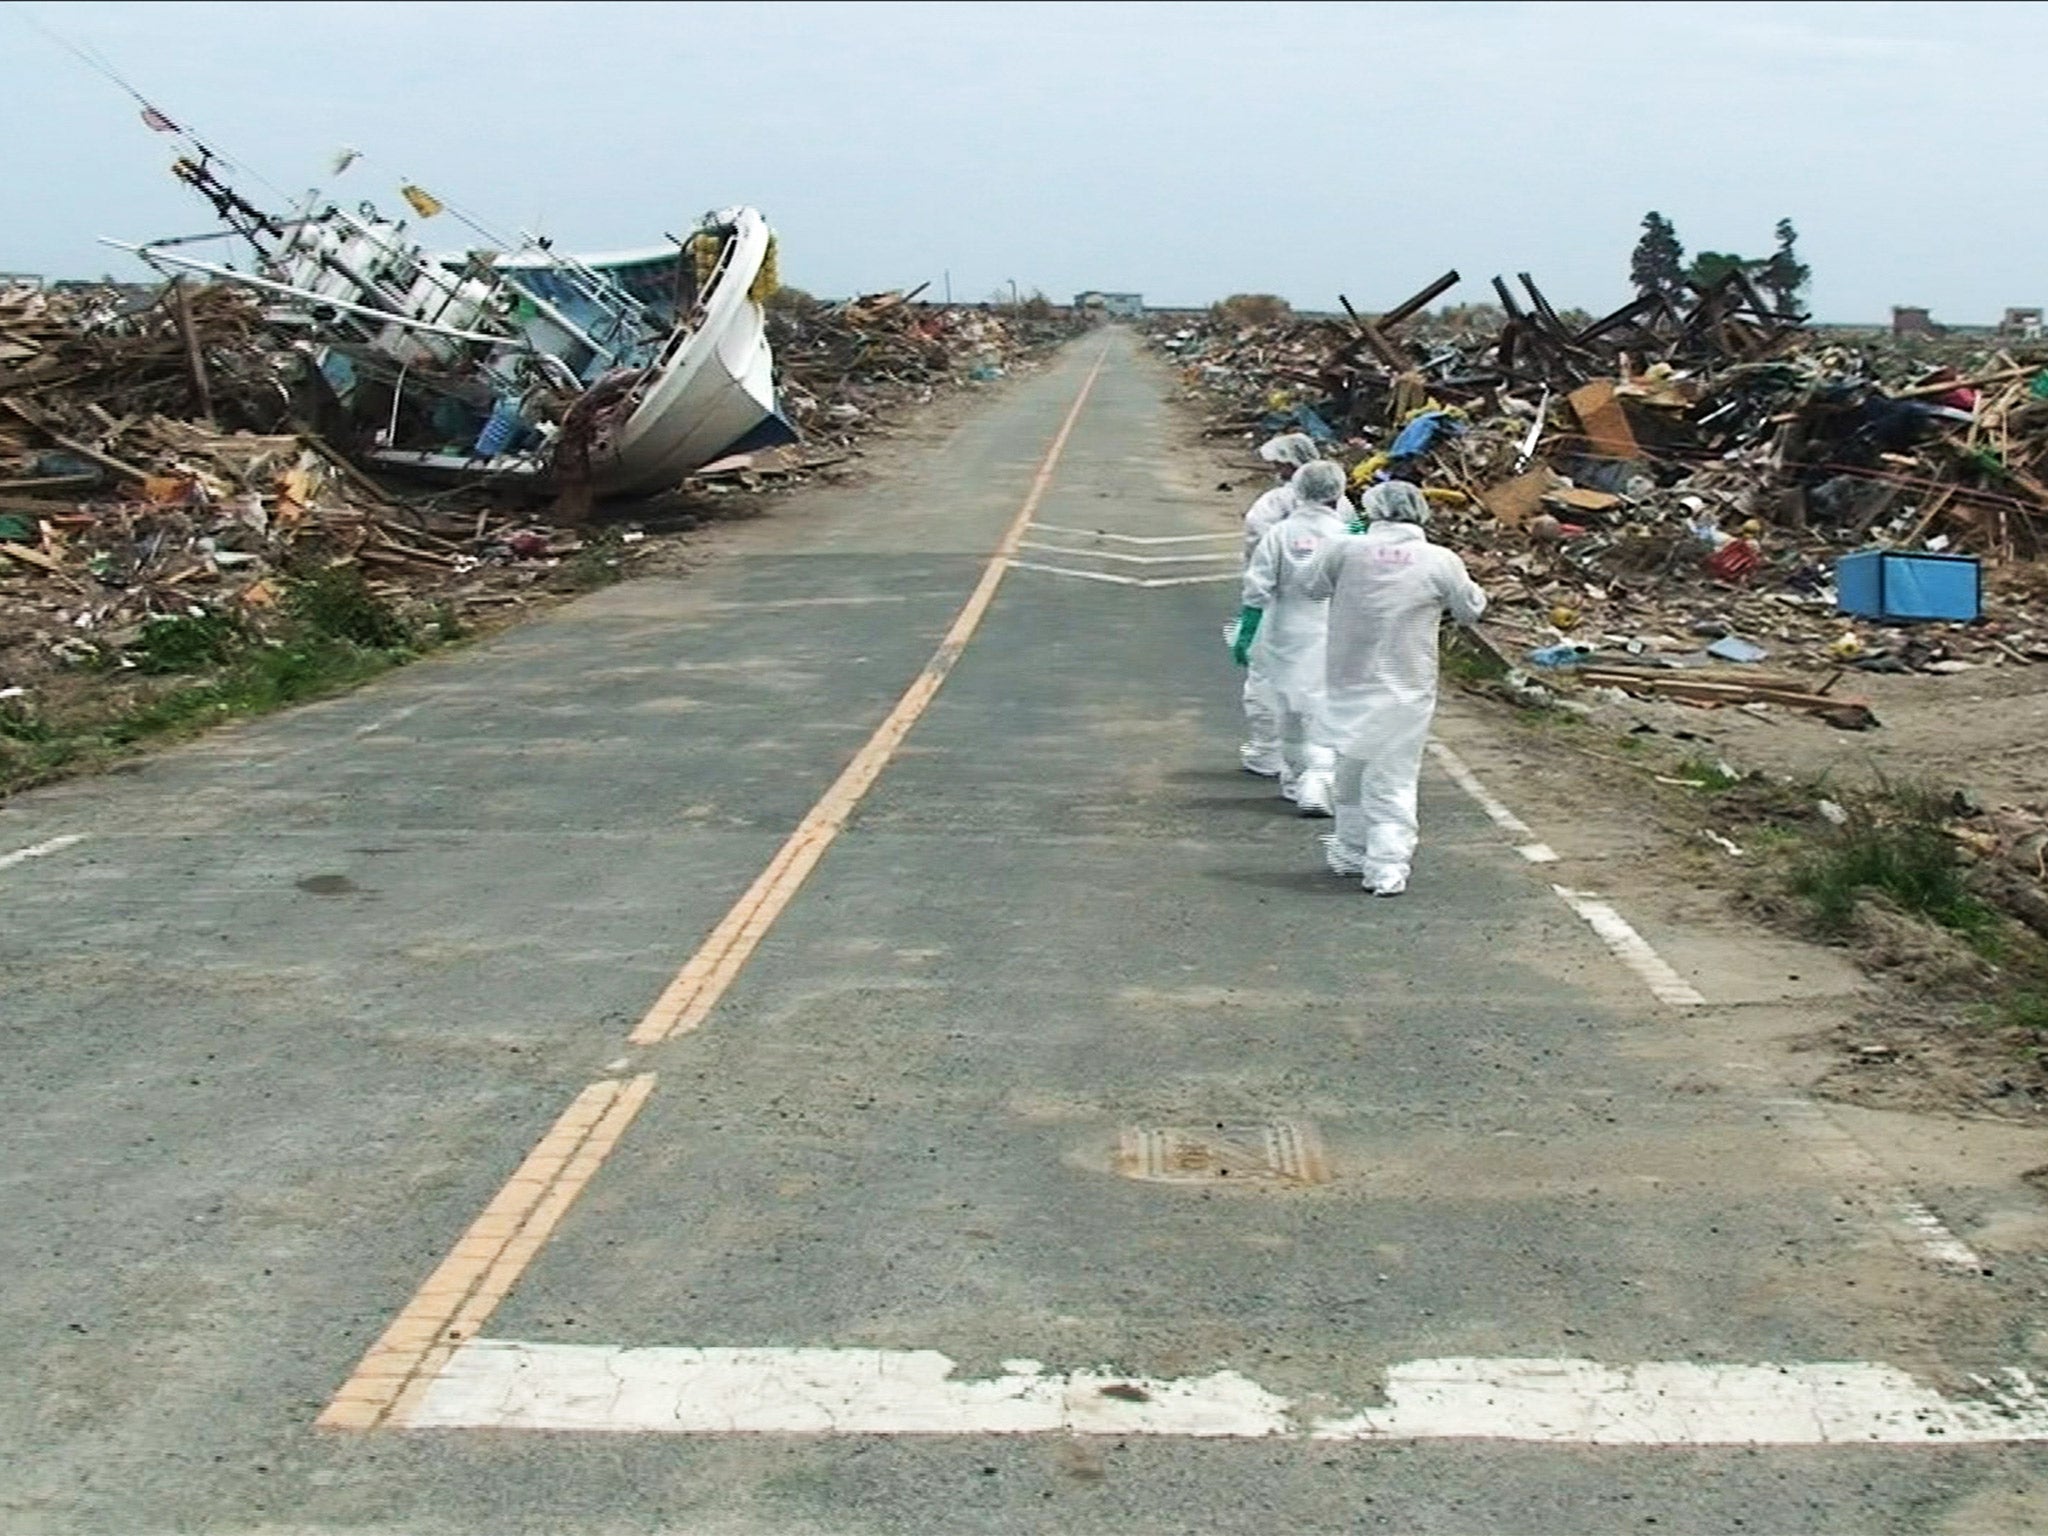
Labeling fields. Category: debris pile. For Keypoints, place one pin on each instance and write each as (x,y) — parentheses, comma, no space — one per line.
(158,458)
(150,467)
(1670,486)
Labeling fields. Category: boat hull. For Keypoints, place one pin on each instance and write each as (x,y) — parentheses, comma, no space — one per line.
(712,396)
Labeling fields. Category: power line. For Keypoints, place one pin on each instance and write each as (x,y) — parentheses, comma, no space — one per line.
(153,115)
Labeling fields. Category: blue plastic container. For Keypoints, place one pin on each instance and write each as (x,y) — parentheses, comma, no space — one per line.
(499,430)
(1898,584)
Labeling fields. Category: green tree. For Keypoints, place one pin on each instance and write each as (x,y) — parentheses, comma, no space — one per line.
(1244,309)
(1709,267)
(1658,264)
(1784,275)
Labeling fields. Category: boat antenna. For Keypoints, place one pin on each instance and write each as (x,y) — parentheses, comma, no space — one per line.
(152,116)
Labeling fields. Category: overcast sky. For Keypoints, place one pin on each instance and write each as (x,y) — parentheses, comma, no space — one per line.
(1185,150)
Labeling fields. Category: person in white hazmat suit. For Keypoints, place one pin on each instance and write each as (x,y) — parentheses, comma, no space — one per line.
(1387,589)
(1281,630)
(1260,753)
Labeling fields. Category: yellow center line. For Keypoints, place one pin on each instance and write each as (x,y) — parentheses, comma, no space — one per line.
(688,1000)
(485,1261)
(459,1297)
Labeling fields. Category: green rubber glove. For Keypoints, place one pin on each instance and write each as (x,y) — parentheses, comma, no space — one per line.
(1247,630)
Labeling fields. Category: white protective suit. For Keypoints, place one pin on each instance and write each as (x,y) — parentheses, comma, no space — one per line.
(1287,655)
(1260,752)
(1387,588)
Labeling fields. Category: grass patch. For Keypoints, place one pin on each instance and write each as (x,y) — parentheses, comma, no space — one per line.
(188,642)
(2025,1007)
(1463,658)
(266,678)
(1910,860)
(332,634)
(1714,777)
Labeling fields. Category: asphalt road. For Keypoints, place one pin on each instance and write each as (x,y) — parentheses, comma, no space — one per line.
(1066,1063)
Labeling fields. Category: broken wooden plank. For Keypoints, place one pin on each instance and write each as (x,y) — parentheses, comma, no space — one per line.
(195,361)
(1513,502)
(1418,302)
(27,556)
(1385,348)
(1603,421)
(85,451)
(50,483)
(1852,714)
(349,472)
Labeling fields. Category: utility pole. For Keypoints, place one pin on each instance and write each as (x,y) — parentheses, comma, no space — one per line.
(949,287)
(1013,293)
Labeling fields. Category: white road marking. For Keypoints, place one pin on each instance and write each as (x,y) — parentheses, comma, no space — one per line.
(1189,581)
(500,1384)
(1122,581)
(1915,1224)
(504,1385)
(41,850)
(1135,538)
(1465,779)
(1061,570)
(1681,1402)
(1933,1235)
(1632,949)
(1226,556)
(389,720)
(1841,1155)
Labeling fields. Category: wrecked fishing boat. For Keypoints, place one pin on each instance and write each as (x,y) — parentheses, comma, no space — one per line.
(612,375)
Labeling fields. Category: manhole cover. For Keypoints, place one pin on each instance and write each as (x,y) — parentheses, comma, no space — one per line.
(1288,1152)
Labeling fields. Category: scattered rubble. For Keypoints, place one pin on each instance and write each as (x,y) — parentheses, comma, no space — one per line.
(1670,486)
(155,460)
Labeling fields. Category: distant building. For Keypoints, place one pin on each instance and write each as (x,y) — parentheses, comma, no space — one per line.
(1910,321)
(1122,306)
(2022,323)
(29,280)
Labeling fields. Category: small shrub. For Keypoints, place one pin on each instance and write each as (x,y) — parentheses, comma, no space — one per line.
(1714,777)
(446,622)
(338,605)
(188,642)
(20,724)
(1913,863)
(1466,661)
(596,564)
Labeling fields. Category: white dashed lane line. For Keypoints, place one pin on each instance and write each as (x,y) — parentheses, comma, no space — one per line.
(1841,1155)
(1909,1218)
(1229,536)
(1632,950)
(1615,931)
(1229,556)
(1122,581)
(1526,845)
(41,850)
